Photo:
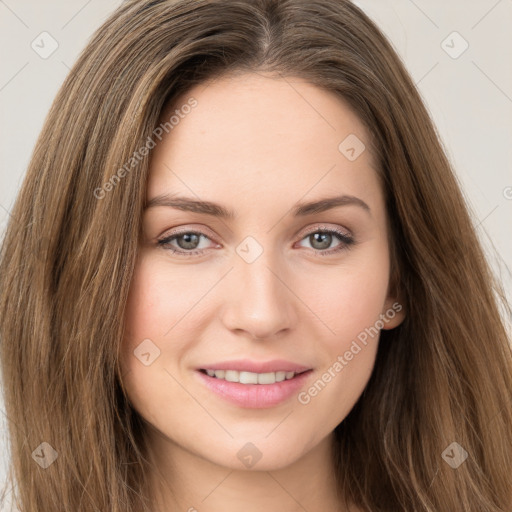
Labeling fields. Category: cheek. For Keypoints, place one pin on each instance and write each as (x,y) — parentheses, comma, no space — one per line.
(159,301)
(358,303)
(350,300)
(144,306)
(350,304)
(156,303)
(155,314)
(351,309)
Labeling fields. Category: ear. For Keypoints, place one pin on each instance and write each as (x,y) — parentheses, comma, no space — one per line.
(393,313)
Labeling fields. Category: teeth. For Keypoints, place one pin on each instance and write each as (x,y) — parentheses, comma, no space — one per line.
(232,376)
(250,377)
(280,376)
(266,378)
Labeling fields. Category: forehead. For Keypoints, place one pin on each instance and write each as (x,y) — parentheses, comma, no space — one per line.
(252,136)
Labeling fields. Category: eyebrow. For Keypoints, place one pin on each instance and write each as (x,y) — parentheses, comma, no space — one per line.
(217,210)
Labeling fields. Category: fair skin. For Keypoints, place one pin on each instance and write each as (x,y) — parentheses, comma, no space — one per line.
(257,145)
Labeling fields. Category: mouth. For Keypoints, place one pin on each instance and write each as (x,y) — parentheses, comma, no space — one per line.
(254,389)
(244,377)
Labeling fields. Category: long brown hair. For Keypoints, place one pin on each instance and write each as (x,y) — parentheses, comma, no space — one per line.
(443,376)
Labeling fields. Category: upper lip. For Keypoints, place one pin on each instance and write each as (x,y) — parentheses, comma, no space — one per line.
(246,365)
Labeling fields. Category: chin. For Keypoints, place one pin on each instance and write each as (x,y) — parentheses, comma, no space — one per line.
(259,454)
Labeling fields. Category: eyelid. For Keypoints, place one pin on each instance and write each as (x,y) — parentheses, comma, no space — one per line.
(189,228)
(324,227)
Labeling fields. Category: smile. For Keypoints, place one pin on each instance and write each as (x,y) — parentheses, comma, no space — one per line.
(254,390)
(244,377)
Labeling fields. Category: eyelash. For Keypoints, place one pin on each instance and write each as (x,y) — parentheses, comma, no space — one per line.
(346,242)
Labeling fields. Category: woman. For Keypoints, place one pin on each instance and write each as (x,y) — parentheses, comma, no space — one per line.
(241,273)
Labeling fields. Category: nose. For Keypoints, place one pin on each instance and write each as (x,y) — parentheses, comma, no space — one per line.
(259,301)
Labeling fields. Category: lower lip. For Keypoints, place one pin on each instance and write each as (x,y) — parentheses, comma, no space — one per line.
(255,396)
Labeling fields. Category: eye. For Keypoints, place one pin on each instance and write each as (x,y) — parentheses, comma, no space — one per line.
(321,239)
(188,243)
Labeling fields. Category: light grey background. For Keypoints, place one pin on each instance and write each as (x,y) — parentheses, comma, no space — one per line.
(469,97)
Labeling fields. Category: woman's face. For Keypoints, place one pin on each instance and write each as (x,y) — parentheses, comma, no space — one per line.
(281,289)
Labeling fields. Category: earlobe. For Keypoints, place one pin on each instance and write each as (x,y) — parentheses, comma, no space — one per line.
(393,313)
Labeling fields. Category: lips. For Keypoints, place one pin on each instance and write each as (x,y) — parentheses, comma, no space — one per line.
(254,384)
